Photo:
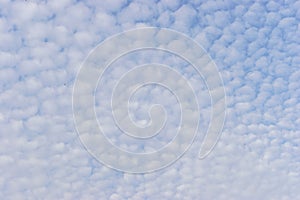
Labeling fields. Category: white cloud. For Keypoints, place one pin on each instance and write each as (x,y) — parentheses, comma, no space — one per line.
(256,47)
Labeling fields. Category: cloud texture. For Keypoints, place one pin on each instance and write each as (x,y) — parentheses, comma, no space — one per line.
(256,47)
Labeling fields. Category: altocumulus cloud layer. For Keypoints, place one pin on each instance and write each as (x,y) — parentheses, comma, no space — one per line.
(256,47)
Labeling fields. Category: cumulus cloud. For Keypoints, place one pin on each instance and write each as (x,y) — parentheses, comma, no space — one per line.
(255,46)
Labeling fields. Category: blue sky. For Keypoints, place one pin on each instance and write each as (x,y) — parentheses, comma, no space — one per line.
(255,45)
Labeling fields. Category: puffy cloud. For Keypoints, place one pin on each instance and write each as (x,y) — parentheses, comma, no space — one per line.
(256,48)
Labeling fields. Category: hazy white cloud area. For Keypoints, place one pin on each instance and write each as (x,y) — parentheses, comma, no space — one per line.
(256,46)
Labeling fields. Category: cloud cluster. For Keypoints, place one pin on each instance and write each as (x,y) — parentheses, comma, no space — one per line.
(255,46)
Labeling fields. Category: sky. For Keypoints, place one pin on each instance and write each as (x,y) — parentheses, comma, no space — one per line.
(255,46)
